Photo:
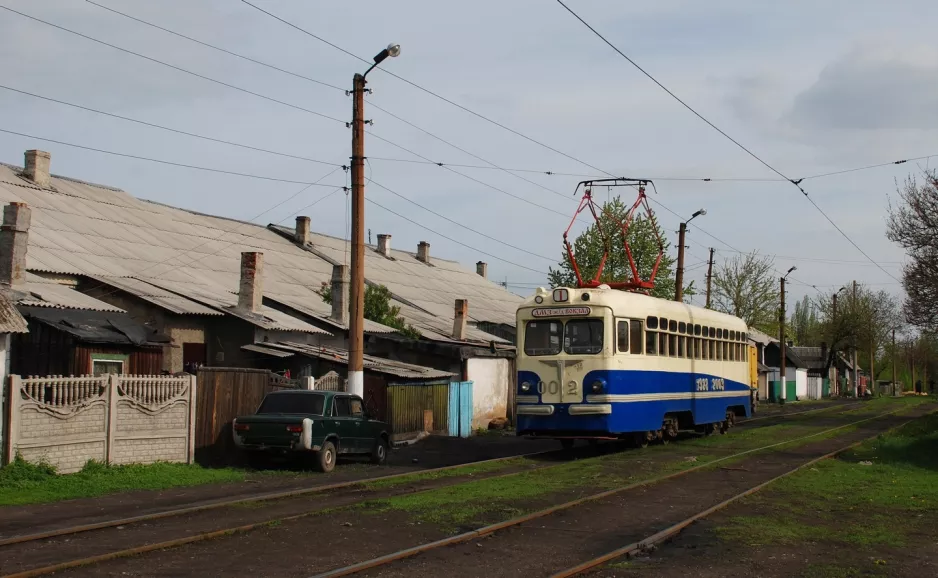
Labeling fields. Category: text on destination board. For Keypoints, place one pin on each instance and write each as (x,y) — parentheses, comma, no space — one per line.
(560,311)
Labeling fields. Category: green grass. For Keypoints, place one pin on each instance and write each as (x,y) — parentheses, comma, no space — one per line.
(22,482)
(468,470)
(844,501)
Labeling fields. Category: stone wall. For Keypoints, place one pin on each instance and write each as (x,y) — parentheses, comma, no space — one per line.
(117,419)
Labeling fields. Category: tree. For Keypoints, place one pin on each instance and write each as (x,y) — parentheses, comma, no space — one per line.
(746,287)
(378,308)
(805,327)
(588,249)
(913,224)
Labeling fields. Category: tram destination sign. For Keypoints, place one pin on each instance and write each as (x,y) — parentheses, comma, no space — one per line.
(560,311)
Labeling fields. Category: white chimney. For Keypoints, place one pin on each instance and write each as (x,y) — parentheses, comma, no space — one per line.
(384,244)
(423,252)
(459,320)
(302,230)
(14,235)
(37,167)
(251,288)
(482,269)
(340,294)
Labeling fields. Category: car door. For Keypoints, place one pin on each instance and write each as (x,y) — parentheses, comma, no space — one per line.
(364,437)
(344,424)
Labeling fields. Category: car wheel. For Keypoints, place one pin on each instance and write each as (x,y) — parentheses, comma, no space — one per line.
(325,457)
(379,454)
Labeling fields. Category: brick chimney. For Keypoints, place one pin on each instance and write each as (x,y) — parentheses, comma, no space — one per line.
(340,294)
(459,320)
(251,288)
(482,269)
(302,230)
(384,244)
(423,252)
(14,234)
(37,167)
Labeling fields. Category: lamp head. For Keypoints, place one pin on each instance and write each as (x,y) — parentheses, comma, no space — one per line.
(392,50)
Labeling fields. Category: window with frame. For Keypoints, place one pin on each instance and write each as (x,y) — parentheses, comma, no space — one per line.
(651,342)
(652,322)
(341,407)
(583,336)
(542,337)
(622,336)
(672,326)
(635,338)
(682,327)
(672,345)
(681,346)
(663,344)
(358,409)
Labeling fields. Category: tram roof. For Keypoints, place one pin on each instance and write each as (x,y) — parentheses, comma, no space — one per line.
(638,305)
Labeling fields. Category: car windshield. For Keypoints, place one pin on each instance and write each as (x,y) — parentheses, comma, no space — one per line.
(303,403)
(583,336)
(542,337)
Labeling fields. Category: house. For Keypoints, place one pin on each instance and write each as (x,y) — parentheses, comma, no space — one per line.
(796,373)
(11,323)
(822,378)
(183,274)
(760,341)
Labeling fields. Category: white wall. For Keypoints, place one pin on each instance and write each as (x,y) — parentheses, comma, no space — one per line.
(491,380)
(5,369)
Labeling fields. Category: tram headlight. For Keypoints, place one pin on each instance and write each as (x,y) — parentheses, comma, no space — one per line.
(597,386)
(525,386)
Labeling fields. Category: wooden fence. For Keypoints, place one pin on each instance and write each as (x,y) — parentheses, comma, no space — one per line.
(224,393)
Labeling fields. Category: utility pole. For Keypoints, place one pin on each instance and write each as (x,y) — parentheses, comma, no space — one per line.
(836,387)
(894,360)
(709,276)
(781,341)
(679,278)
(356,376)
(856,370)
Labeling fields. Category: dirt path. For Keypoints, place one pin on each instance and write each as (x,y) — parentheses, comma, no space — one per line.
(309,546)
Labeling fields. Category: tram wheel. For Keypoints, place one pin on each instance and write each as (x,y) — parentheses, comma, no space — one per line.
(640,439)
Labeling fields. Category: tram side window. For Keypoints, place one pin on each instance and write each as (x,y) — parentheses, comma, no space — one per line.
(636,336)
(652,322)
(542,337)
(651,341)
(583,336)
(681,346)
(662,343)
(622,336)
(739,352)
(672,345)
(713,349)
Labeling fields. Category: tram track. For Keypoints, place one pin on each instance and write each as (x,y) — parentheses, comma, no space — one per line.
(515,554)
(47,538)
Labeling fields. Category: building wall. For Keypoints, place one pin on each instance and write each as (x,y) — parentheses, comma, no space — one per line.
(491,380)
(115,419)
(180,328)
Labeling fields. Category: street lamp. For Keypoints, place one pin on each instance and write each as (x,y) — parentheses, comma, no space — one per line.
(356,350)
(781,341)
(679,278)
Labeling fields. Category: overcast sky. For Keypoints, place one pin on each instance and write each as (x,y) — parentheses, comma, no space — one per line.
(811,87)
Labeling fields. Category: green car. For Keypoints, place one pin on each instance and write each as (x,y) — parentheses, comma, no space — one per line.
(323,424)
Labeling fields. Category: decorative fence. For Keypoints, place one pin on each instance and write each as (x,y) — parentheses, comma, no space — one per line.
(117,419)
(331,381)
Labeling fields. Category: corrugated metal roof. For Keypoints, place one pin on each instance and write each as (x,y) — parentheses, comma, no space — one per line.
(46,293)
(371,363)
(11,321)
(760,338)
(153,294)
(267,350)
(102,232)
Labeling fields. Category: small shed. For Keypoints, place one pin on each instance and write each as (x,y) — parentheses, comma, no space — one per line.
(412,398)
(796,374)
(83,342)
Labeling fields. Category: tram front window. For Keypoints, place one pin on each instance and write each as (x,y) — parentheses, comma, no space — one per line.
(583,336)
(542,337)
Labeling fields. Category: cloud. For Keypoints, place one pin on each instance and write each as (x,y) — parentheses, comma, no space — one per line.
(872,89)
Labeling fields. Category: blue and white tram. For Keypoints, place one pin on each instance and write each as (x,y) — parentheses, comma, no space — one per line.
(602,363)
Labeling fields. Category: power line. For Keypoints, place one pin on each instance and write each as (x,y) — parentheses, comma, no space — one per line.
(213,47)
(863,168)
(437,233)
(819,260)
(458,224)
(731,139)
(196,74)
(164,162)
(169,129)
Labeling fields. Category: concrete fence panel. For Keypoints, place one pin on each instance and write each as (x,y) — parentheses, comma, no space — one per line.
(66,421)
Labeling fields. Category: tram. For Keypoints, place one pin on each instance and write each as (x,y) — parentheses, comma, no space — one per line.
(600,361)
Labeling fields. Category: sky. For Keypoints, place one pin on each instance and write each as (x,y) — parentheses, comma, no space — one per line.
(810,87)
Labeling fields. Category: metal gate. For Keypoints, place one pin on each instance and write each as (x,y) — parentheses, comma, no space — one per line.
(460,409)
